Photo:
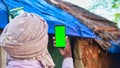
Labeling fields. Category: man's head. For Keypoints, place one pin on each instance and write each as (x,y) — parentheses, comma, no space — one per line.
(26,37)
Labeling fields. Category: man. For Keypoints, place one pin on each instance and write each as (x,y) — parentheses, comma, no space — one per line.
(25,40)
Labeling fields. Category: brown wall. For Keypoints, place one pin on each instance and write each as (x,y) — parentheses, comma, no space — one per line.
(90,55)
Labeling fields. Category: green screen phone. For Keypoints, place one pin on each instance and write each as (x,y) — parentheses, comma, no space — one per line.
(60,36)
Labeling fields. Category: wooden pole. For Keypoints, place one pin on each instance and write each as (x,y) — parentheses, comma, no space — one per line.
(2,58)
(77,56)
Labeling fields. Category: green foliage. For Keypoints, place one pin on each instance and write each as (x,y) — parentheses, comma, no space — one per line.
(116,5)
(117,16)
(110,9)
(115,0)
(99,3)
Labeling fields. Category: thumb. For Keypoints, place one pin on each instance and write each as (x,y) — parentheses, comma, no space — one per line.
(61,51)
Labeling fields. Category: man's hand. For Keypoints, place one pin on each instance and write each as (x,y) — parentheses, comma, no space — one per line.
(66,52)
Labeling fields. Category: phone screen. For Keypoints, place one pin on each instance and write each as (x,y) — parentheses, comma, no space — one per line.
(60,32)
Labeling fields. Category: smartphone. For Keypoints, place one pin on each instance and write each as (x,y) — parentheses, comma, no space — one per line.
(60,36)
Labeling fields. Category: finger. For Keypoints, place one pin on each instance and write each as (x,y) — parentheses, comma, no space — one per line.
(54,42)
(53,38)
(66,37)
(67,43)
(54,45)
(61,51)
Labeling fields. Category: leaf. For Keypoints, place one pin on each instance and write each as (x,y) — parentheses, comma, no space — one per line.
(116,5)
(117,16)
(115,1)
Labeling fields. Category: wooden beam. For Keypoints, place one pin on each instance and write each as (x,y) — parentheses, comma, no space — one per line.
(77,55)
(2,58)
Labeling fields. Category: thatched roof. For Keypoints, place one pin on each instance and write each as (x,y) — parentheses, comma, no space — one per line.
(104,28)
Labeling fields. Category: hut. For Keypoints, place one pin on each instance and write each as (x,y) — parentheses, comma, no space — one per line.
(93,53)
(87,52)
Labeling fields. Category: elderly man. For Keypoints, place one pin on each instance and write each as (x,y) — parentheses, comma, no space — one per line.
(25,40)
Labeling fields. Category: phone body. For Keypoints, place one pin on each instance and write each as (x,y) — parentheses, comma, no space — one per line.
(60,36)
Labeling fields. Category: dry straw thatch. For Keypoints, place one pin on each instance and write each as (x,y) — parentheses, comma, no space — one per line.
(103,28)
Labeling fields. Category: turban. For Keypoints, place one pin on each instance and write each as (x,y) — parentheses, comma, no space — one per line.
(26,37)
